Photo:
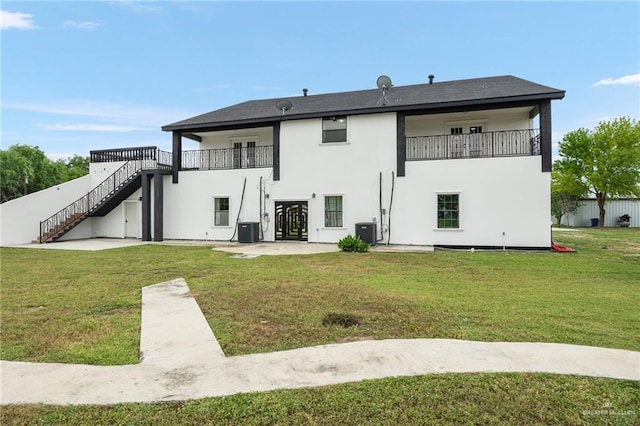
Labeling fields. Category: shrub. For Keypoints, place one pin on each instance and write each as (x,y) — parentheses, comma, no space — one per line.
(351,243)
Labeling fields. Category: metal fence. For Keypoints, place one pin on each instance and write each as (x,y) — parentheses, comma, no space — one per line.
(505,143)
(228,158)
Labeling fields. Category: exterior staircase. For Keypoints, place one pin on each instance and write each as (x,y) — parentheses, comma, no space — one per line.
(100,200)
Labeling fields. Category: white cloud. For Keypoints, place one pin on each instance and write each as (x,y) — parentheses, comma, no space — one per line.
(632,80)
(82,25)
(144,116)
(91,127)
(140,7)
(55,156)
(19,20)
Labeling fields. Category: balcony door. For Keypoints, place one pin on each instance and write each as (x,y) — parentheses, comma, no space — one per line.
(467,140)
(244,153)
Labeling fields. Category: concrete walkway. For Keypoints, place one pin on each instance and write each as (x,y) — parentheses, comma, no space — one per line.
(269,248)
(181,359)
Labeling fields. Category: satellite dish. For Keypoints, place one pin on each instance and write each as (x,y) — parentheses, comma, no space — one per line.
(284,105)
(384,83)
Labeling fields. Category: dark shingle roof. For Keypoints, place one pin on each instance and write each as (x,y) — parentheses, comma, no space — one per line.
(401,98)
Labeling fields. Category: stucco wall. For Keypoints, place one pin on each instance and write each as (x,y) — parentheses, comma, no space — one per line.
(497,195)
(189,206)
(20,218)
(504,201)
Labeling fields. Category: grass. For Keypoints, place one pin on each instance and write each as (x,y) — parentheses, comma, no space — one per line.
(84,307)
(457,399)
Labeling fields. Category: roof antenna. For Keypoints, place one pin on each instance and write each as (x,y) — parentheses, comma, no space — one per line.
(384,84)
(284,105)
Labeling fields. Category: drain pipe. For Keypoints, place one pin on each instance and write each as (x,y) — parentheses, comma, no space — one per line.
(235,227)
(260,202)
(381,215)
(393,184)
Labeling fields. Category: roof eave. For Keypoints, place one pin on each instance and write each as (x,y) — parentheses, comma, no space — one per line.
(267,121)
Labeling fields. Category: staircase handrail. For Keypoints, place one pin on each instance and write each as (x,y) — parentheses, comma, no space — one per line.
(97,195)
(101,192)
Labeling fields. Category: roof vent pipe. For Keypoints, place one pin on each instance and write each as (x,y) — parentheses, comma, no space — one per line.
(304,91)
(431,77)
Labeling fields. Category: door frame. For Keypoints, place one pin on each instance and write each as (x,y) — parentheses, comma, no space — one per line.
(281,225)
(135,206)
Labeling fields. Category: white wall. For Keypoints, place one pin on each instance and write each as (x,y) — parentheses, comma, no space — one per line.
(20,218)
(224,139)
(497,195)
(352,169)
(491,120)
(189,206)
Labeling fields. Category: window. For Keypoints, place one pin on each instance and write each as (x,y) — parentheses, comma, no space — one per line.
(334,129)
(221,211)
(448,211)
(333,211)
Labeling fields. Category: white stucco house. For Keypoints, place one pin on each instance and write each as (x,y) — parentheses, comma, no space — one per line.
(453,164)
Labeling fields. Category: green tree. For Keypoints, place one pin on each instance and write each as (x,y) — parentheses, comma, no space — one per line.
(565,193)
(14,175)
(26,169)
(77,166)
(604,162)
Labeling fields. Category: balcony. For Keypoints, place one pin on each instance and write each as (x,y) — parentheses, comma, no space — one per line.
(228,158)
(146,157)
(505,143)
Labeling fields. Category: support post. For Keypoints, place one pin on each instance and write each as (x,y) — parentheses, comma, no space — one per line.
(401,144)
(158,204)
(177,156)
(545,135)
(276,151)
(146,206)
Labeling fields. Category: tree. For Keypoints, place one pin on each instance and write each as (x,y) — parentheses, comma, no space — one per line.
(14,175)
(604,162)
(25,169)
(565,196)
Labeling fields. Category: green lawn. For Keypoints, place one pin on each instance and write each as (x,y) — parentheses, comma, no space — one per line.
(84,307)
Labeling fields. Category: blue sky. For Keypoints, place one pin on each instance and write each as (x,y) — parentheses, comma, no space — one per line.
(78,76)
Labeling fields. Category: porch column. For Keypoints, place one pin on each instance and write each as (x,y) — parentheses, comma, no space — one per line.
(177,156)
(146,206)
(401,144)
(545,135)
(158,211)
(276,151)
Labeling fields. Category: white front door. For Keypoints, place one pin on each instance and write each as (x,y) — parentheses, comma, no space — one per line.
(131,219)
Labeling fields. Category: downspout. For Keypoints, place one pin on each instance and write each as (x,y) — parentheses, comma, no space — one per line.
(260,220)
(381,215)
(393,184)
(235,227)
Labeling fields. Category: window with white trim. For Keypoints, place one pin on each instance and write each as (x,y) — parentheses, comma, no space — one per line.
(333,211)
(334,129)
(448,211)
(221,211)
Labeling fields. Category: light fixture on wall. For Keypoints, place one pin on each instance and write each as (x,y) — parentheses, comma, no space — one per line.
(313,195)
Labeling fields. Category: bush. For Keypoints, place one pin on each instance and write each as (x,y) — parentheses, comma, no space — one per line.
(351,243)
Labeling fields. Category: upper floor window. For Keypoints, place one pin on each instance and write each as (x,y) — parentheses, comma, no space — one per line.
(334,129)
